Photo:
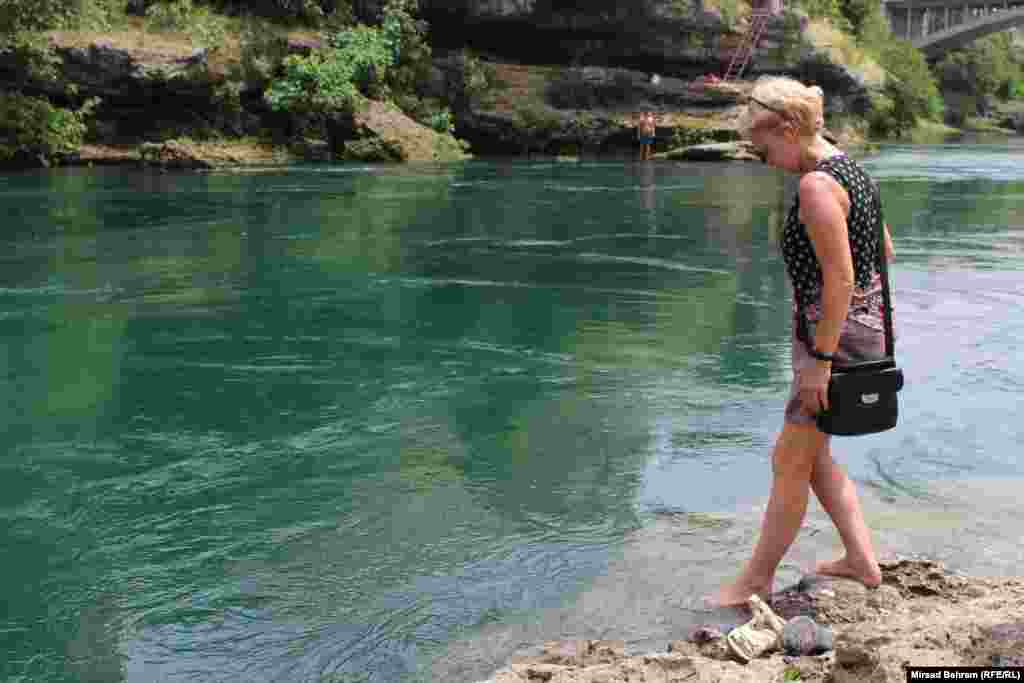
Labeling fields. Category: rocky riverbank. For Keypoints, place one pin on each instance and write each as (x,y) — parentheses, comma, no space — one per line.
(160,101)
(921,615)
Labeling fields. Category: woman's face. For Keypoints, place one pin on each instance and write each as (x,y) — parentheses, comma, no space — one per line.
(775,141)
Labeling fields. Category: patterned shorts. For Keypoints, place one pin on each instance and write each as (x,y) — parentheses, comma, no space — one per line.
(858,342)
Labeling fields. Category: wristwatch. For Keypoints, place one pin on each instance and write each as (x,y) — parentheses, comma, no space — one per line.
(830,357)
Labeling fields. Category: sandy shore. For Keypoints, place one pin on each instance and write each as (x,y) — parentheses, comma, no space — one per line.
(922,615)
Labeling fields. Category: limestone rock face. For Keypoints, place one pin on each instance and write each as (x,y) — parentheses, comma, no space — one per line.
(650,49)
(645,34)
(144,93)
(847,91)
(383,133)
(101,70)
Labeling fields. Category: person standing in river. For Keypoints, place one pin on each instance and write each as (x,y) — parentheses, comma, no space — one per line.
(830,249)
(645,133)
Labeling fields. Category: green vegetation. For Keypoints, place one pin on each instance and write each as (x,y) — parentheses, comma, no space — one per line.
(20,18)
(792,674)
(300,12)
(350,52)
(313,83)
(911,93)
(208,29)
(857,32)
(915,94)
(334,77)
(391,62)
(988,68)
(32,129)
(866,20)
(539,124)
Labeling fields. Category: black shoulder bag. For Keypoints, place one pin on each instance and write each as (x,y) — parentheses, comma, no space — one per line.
(862,397)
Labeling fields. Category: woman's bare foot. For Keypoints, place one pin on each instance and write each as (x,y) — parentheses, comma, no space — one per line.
(737,593)
(870,576)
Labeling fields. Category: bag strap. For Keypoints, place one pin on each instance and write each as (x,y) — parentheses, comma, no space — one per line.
(883,270)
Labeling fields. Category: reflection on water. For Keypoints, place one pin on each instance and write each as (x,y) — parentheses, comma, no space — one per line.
(382,424)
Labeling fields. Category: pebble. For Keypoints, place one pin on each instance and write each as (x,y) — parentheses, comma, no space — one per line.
(803,636)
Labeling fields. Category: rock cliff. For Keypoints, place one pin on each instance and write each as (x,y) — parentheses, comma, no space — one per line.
(571,74)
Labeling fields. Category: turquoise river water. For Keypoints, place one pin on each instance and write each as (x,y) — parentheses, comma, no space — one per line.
(390,424)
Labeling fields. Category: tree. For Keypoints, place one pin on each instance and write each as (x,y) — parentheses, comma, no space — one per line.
(22,27)
(20,18)
(867,22)
(911,92)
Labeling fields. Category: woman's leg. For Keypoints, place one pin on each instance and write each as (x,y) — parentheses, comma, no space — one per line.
(793,462)
(838,496)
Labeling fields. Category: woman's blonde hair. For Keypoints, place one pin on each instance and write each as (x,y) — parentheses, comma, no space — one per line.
(790,100)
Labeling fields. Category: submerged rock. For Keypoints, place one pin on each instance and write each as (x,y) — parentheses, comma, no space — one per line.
(719,151)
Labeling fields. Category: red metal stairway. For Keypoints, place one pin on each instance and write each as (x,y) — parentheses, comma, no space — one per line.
(742,54)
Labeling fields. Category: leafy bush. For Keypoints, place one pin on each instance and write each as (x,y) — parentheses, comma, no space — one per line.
(429,111)
(866,20)
(22,23)
(262,51)
(330,79)
(206,28)
(20,17)
(32,129)
(537,120)
(827,9)
(442,122)
(171,16)
(407,36)
(304,12)
(986,67)
(911,92)
(99,15)
(478,77)
(363,60)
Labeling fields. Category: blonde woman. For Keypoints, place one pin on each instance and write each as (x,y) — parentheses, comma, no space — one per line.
(830,248)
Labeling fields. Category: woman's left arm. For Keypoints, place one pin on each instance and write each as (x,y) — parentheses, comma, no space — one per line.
(825,218)
(890,251)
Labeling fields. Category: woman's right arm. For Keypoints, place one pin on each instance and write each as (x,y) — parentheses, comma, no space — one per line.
(890,252)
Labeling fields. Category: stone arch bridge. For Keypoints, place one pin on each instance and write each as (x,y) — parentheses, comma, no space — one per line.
(938,26)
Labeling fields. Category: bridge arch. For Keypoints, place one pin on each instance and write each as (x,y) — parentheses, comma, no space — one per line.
(938,26)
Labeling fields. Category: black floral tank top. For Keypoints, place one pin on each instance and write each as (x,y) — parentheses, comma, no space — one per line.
(862,226)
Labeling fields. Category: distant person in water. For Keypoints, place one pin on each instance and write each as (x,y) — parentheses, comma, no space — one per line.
(645,133)
(830,248)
